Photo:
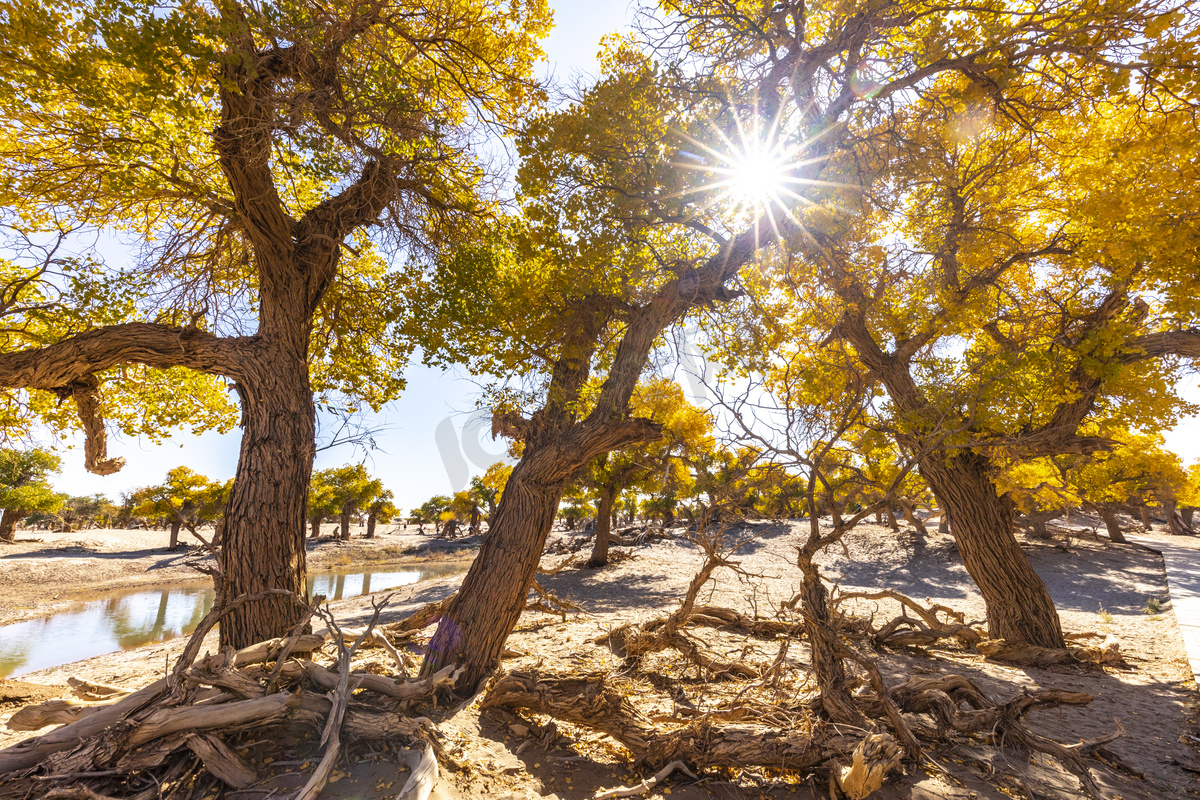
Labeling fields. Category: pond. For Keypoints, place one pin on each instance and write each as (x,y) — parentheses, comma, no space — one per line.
(128,618)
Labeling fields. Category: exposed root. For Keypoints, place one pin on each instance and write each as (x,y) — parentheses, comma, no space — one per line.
(87,690)
(858,764)
(635,642)
(717,616)
(53,712)
(926,630)
(423,778)
(876,756)
(595,704)
(420,619)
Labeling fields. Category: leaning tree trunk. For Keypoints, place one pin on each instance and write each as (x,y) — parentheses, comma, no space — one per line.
(1018,606)
(603,527)
(486,608)
(1174,521)
(827,665)
(176,524)
(1113,526)
(891,518)
(910,516)
(370,529)
(264,523)
(8,523)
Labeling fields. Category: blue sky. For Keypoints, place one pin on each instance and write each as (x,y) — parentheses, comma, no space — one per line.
(430,440)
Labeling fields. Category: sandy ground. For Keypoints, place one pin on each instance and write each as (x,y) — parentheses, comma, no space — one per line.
(1098,586)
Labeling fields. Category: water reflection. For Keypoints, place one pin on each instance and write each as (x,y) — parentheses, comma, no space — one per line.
(131,618)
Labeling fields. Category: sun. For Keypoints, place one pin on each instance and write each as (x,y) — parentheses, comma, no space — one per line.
(758,178)
(754,171)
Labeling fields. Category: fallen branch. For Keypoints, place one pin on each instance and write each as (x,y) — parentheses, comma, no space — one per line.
(550,603)
(339,698)
(648,784)
(53,712)
(1107,653)
(88,690)
(423,778)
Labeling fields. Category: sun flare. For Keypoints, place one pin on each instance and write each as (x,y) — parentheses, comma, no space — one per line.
(757,178)
(754,171)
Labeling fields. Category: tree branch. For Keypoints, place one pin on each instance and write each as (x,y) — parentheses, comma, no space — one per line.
(95,447)
(58,367)
(1185,343)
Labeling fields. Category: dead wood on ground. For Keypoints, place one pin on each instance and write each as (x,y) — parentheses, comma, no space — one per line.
(179,737)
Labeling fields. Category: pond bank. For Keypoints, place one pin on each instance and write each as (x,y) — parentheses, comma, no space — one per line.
(46,572)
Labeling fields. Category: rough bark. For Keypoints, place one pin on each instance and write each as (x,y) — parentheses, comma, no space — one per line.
(1018,606)
(315,525)
(264,523)
(908,508)
(828,667)
(1145,511)
(174,541)
(1113,526)
(8,523)
(1174,522)
(485,609)
(371,526)
(603,527)
(344,521)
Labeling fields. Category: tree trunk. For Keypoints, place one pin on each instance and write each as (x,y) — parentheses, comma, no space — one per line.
(1018,606)
(1174,523)
(175,526)
(826,663)
(909,511)
(370,527)
(944,520)
(603,527)
(891,519)
(8,522)
(482,615)
(1186,514)
(315,522)
(345,523)
(264,523)
(1146,518)
(835,513)
(1113,526)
